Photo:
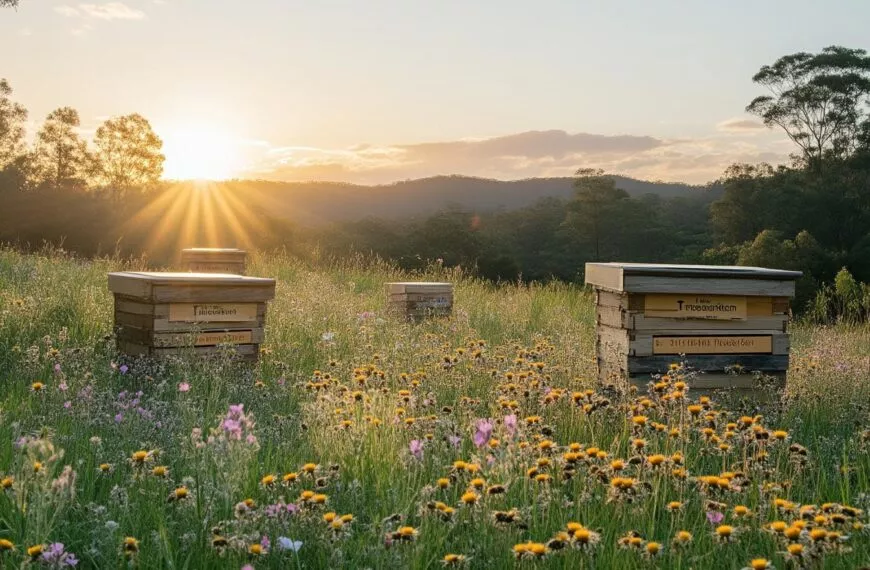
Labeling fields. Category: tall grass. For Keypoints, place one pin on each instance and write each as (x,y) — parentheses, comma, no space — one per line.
(384,408)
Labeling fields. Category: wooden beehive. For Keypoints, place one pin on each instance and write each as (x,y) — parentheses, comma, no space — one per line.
(213,260)
(172,313)
(717,319)
(415,300)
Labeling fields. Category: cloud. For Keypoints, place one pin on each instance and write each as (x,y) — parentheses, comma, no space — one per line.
(740,125)
(111,11)
(520,155)
(105,11)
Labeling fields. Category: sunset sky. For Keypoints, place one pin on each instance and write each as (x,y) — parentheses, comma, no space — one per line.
(381,90)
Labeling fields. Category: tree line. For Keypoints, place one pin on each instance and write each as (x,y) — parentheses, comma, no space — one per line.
(812,214)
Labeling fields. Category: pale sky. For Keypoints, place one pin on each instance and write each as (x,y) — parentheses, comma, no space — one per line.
(381,90)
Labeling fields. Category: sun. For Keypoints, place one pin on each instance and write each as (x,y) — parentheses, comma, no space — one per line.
(200,153)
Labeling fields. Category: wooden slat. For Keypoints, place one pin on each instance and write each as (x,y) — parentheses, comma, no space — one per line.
(403,297)
(211,294)
(186,338)
(160,310)
(216,267)
(698,285)
(642,343)
(709,363)
(604,276)
(655,325)
(151,323)
(247,352)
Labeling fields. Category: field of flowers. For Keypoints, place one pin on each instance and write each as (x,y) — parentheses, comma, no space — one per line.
(360,441)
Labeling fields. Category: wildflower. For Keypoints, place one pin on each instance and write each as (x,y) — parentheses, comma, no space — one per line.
(183,387)
(285,543)
(160,471)
(510,424)
(255,549)
(406,533)
(469,498)
(483,432)
(105,467)
(585,538)
(742,511)
(674,506)
(179,494)
(714,517)
(724,533)
(56,556)
(36,550)
(37,387)
(759,564)
(443,483)
(453,559)
(531,550)
(290,478)
(309,468)
(6,544)
(416,448)
(7,482)
(140,457)
(653,549)
(682,538)
(267,480)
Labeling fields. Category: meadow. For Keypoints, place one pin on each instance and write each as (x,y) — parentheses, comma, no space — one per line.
(362,441)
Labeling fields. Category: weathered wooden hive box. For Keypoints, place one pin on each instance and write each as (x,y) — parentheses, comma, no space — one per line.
(171,313)
(416,300)
(717,319)
(213,260)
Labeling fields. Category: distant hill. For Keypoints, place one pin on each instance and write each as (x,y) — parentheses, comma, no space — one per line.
(318,202)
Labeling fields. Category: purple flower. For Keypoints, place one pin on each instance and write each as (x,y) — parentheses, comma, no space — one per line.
(119,417)
(416,448)
(183,387)
(454,440)
(510,424)
(62,386)
(714,517)
(124,368)
(57,371)
(483,433)
(285,543)
(67,404)
(265,543)
(56,557)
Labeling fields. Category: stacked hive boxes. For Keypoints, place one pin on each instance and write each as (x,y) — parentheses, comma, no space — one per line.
(414,300)
(170,313)
(213,260)
(717,318)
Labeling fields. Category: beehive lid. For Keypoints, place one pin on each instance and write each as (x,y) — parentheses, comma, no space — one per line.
(419,287)
(142,284)
(654,277)
(212,253)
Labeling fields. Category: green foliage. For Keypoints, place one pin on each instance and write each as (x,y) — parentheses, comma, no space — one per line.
(12,118)
(128,154)
(846,300)
(819,100)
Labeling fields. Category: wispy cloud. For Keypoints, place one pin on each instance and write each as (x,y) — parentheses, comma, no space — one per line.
(104,11)
(520,155)
(740,125)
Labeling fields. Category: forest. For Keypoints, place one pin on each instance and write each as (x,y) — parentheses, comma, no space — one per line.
(813,214)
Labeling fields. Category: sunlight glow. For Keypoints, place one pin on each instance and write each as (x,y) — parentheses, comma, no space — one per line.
(200,153)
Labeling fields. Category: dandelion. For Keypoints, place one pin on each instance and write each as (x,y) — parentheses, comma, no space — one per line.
(682,538)
(6,545)
(653,549)
(406,533)
(759,564)
(36,550)
(160,471)
(724,533)
(7,482)
(453,559)
(443,483)
(268,480)
(37,387)
(531,550)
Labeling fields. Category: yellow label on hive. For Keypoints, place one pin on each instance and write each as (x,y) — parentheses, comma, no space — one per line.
(212,312)
(716,307)
(712,344)
(235,337)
